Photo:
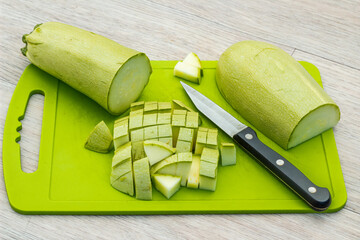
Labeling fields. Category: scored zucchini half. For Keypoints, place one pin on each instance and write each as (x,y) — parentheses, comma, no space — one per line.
(112,75)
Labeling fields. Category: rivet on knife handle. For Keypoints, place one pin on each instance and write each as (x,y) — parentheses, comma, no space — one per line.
(317,197)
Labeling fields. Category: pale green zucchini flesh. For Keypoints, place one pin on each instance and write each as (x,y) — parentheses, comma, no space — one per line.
(129,83)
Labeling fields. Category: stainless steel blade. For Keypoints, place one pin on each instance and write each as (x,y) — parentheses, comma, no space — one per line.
(216,114)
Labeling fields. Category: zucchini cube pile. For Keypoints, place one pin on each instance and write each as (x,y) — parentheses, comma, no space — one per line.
(161,143)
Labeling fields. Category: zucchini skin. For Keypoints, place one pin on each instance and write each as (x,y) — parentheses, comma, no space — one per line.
(84,60)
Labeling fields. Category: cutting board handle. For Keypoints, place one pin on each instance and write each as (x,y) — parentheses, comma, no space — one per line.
(17,181)
(24,99)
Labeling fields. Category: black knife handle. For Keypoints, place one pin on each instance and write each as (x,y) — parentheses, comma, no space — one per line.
(317,197)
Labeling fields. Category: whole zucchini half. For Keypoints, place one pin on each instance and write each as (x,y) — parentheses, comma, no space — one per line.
(112,75)
(272,91)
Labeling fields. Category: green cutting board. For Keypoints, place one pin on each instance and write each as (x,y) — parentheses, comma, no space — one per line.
(73,180)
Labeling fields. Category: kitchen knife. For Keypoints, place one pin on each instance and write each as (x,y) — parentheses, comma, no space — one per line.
(317,197)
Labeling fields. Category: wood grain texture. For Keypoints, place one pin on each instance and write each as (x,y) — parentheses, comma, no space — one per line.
(326,33)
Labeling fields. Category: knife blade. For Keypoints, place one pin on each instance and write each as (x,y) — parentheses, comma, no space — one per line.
(318,198)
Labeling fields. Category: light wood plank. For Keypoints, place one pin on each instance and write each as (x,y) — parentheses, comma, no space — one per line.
(330,29)
(169,30)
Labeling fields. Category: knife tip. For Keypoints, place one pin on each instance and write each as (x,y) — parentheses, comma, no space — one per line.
(184,85)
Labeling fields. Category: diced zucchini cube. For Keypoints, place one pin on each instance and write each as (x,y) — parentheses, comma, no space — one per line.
(208,169)
(213,130)
(118,142)
(136,119)
(121,169)
(121,135)
(163,118)
(164,131)
(136,122)
(185,157)
(150,119)
(186,134)
(136,112)
(164,107)
(142,180)
(182,146)
(124,184)
(124,148)
(192,120)
(228,154)
(211,138)
(150,107)
(180,105)
(207,183)
(137,150)
(210,155)
(123,153)
(200,142)
(136,106)
(121,121)
(168,185)
(203,129)
(121,130)
(201,137)
(178,120)
(179,112)
(192,114)
(137,135)
(150,133)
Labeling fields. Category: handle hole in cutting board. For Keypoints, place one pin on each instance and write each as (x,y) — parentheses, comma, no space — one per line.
(31,132)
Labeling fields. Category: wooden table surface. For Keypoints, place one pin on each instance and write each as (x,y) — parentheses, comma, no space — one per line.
(323,32)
